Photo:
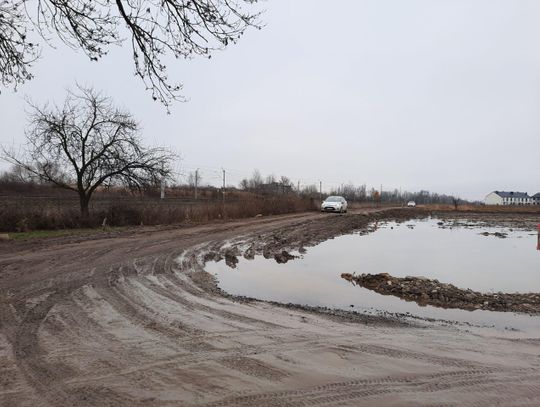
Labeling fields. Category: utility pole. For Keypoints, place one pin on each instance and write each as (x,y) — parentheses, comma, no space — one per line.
(320,191)
(196,182)
(223,191)
(162,184)
(298,187)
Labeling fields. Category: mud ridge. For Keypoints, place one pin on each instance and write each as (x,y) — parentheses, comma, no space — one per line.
(425,291)
(280,244)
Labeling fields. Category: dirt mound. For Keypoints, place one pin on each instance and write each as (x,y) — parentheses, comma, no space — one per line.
(424,291)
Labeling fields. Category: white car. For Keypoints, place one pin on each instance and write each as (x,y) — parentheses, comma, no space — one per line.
(412,204)
(334,204)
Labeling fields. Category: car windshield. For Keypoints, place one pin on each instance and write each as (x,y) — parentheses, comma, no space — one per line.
(333,199)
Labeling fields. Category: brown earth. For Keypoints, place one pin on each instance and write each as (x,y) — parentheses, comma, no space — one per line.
(425,291)
(132,319)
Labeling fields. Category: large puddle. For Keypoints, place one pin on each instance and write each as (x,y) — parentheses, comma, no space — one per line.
(454,253)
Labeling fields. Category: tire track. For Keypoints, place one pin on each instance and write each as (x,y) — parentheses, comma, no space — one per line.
(357,390)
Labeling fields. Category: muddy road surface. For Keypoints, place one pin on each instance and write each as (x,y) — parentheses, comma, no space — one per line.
(134,320)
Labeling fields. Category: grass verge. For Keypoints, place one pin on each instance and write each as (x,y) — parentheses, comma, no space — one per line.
(43,234)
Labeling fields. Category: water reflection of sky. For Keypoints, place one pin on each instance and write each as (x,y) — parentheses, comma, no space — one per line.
(457,255)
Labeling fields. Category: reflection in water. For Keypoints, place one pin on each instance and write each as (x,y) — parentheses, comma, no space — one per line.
(457,255)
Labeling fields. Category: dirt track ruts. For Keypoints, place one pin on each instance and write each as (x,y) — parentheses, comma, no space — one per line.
(132,320)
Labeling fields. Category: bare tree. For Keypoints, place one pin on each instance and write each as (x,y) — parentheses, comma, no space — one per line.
(194,178)
(179,28)
(270,179)
(285,181)
(88,143)
(244,184)
(256,180)
(18,174)
(310,190)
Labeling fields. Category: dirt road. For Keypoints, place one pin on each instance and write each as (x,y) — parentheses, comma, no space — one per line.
(133,320)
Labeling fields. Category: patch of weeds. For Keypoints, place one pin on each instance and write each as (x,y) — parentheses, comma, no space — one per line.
(44,234)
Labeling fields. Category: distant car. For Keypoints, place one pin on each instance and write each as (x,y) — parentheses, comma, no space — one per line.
(412,204)
(334,204)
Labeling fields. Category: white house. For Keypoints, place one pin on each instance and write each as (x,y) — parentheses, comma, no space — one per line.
(510,198)
(536,198)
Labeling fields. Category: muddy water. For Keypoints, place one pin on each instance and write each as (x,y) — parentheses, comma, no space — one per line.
(454,253)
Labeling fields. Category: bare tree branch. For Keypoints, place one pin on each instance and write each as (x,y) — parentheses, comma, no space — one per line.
(16,52)
(158,28)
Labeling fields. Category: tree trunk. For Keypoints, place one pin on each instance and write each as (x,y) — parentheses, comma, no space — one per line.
(84,200)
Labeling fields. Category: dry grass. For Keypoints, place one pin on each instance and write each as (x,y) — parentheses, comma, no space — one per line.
(126,212)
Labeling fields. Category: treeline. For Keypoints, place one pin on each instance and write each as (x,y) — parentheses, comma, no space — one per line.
(351,192)
(18,180)
(363,194)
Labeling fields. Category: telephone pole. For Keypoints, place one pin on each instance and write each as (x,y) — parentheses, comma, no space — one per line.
(196,182)
(162,196)
(320,191)
(223,191)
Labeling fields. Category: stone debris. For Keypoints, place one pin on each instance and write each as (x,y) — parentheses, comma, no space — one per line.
(425,291)
(283,257)
(249,254)
(231,257)
(501,235)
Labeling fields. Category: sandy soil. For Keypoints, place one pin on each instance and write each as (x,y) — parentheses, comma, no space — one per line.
(133,320)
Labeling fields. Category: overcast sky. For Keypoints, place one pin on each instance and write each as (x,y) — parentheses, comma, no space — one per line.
(437,95)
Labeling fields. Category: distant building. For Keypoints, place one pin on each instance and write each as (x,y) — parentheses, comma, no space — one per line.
(536,198)
(511,198)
